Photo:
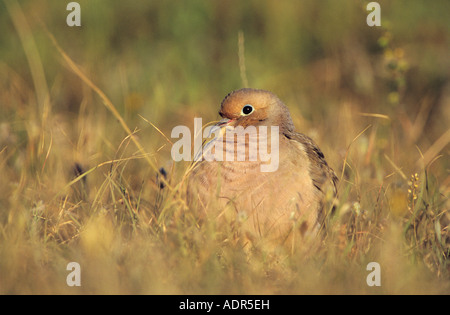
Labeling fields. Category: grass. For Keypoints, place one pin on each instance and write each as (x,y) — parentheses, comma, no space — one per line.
(85,121)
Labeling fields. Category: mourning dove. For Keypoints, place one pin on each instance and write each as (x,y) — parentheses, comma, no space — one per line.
(268,203)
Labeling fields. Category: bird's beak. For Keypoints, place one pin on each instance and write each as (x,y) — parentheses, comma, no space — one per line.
(224,122)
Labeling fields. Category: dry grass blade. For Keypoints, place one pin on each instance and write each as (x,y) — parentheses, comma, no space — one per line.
(241,54)
(348,150)
(81,176)
(375,115)
(398,169)
(435,148)
(32,55)
(157,129)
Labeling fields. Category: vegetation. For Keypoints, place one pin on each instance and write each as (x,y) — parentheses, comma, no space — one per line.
(86,115)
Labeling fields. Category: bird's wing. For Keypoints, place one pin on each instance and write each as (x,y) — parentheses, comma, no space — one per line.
(320,172)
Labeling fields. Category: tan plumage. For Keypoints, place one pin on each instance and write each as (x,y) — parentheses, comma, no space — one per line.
(269,204)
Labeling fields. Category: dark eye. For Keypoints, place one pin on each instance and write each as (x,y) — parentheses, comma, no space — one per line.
(247,110)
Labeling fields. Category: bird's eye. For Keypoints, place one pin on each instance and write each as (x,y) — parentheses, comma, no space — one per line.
(247,110)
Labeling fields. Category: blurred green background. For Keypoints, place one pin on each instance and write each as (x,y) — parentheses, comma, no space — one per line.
(171,60)
(168,58)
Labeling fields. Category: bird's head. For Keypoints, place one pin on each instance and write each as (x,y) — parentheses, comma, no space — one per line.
(251,107)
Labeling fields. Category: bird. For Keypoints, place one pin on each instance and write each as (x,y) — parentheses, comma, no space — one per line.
(266,204)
